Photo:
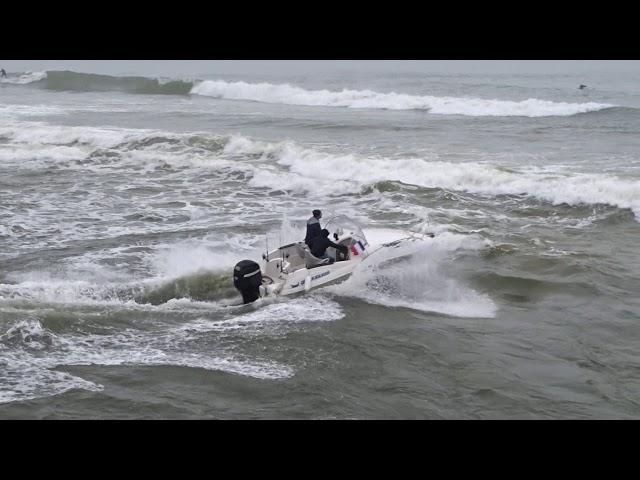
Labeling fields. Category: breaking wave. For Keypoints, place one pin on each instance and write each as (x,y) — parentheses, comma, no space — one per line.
(368,99)
(294,95)
(295,168)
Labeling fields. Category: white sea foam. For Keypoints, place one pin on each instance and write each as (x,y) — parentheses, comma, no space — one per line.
(40,133)
(27,374)
(289,166)
(415,276)
(309,170)
(367,99)
(24,78)
(16,110)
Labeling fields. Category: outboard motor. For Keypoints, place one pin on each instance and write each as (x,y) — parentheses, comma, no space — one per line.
(247,279)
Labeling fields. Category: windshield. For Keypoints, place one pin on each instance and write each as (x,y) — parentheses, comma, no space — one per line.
(345,224)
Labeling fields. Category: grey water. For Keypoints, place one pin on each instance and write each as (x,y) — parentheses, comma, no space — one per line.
(128,190)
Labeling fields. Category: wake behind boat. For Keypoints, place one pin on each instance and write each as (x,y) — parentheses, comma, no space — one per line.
(292,268)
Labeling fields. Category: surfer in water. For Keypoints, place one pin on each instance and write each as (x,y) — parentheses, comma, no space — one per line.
(582,87)
(3,74)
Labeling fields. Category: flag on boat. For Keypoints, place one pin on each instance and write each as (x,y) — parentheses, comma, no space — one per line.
(357,248)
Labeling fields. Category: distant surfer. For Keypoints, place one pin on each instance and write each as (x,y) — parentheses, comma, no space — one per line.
(582,87)
(3,74)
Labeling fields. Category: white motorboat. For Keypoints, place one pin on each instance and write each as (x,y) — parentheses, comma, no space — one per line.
(292,269)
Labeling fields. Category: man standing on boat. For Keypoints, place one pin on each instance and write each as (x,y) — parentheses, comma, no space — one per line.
(313,227)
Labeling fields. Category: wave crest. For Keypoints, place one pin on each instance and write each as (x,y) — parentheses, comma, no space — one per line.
(293,95)
(90,82)
(368,99)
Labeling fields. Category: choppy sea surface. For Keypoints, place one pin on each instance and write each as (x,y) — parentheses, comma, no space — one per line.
(127,195)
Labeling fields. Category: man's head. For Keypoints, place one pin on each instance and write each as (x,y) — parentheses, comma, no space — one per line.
(317,213)
(325,232)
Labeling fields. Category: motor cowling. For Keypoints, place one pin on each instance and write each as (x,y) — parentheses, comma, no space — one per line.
(247,279)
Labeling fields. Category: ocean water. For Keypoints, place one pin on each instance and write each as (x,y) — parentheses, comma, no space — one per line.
(128,190)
